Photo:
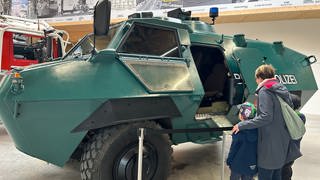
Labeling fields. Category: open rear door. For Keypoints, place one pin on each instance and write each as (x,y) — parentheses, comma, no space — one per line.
(248,60)
(292,69)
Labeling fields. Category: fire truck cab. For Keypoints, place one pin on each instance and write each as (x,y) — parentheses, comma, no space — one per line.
(24,42)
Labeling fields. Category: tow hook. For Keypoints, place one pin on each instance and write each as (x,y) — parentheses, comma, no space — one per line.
(17,83)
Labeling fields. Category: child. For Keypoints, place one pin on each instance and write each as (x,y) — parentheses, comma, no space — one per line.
(242,158)
(287,169)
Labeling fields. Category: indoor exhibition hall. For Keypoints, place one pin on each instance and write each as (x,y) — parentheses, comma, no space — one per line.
(159,89)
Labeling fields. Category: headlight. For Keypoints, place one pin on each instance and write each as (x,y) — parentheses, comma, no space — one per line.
(17,83)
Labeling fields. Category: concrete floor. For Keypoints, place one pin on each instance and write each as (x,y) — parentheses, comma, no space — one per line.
(191,161)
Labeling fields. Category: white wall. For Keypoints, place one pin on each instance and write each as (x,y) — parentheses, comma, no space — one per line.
(301,35)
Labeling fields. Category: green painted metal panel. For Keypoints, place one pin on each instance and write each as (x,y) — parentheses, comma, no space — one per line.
(76,89)
(289,65)
(249,59)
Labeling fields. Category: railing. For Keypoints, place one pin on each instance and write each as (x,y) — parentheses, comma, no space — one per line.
(143,131)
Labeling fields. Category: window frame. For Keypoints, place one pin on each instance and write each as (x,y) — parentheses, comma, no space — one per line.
(125,38)
(130,61)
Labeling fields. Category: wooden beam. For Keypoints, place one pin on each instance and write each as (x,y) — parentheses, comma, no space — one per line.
(81,28)
(266,14)
(76,30)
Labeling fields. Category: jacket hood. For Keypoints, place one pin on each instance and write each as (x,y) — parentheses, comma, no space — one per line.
(274,86)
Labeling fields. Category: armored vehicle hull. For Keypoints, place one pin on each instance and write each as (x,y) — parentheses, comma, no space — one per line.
(158,73)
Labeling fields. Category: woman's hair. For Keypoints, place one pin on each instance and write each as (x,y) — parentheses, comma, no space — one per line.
(265,71)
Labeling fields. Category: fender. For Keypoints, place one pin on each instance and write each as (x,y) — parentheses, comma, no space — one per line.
(123,110)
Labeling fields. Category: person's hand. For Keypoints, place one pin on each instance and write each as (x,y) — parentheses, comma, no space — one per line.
(235,129)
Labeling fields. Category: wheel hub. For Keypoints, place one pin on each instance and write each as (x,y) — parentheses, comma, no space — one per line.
(126,166)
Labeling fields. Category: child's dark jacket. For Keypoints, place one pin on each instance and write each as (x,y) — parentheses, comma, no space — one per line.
(242,156)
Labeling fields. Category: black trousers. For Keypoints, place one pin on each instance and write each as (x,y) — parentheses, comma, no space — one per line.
(269,174)
(287,171)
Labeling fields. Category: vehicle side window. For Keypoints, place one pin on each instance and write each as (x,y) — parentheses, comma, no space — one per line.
(150,40)
(82,50)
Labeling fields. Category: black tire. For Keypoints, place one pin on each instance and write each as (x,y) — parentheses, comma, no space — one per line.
(112,154)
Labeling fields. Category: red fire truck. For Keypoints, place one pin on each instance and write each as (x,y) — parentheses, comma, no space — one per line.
(24,42)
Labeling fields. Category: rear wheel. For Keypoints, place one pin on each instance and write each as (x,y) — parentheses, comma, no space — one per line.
(112,154)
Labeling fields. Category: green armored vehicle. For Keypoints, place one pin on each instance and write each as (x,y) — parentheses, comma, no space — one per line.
(170,72)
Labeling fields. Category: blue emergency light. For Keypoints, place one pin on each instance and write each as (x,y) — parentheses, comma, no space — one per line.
(213,13)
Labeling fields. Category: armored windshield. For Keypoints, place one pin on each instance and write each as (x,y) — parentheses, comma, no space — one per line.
(83,49)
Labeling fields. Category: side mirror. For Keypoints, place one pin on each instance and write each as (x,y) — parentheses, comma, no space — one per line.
(101,22)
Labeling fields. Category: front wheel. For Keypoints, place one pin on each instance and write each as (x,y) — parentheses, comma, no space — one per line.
(112,154)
